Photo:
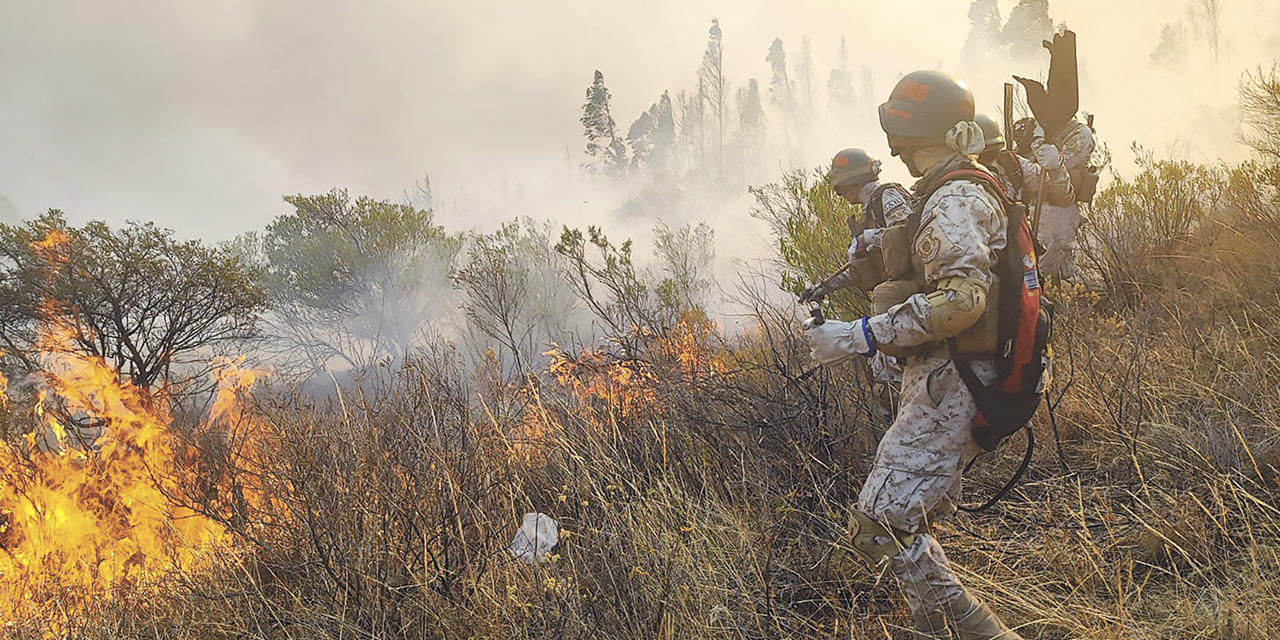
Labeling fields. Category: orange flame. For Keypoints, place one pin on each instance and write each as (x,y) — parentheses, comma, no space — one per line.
(55,238)
(87,496)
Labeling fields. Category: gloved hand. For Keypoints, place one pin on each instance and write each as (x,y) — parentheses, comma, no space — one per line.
(833,342)
(814,293)
(1046,155)
(858,245)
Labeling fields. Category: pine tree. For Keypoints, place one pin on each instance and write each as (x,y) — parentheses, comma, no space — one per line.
(606,152)
(1172,48)
(713,86)
(652,136)
(780,91)
(1029,25)
(840,85)
(984,40)
(691,123)
(640,138)
(1206,23)
(804,84)
(664,133)
(751,115)
(868,81)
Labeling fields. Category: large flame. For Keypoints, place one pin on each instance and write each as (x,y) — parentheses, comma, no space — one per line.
(88,496)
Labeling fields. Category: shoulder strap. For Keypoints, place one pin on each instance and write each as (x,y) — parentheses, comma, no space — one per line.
(876,204)
(1009,162)
(972,174)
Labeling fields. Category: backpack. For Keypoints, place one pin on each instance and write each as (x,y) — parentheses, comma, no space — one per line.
(1024,326)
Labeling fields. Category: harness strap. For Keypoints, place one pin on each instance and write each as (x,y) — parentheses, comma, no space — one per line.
(876,204)
(1017,475)
(1009,162)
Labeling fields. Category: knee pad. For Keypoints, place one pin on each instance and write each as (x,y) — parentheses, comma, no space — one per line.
(875,542)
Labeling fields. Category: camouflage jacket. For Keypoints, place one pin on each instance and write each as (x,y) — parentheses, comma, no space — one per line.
(1075,141)
(962,226)
(892,206)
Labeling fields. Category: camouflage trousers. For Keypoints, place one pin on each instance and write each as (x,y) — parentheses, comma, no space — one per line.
(916,476)
(1058,227)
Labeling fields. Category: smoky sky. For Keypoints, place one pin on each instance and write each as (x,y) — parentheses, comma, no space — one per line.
(201,115)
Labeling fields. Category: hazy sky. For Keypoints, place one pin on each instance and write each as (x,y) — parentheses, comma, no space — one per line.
(200,115)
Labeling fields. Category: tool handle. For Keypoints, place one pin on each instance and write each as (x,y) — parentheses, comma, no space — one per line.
(832,278)
(1008,116)
(818,318)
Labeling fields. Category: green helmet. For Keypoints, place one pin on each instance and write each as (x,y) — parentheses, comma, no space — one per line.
(990,131)
(924,105)
(852,168)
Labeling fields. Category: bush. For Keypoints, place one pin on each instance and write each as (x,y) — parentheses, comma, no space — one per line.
(808,220)
(1138,226)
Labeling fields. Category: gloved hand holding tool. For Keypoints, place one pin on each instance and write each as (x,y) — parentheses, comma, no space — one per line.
(833,342)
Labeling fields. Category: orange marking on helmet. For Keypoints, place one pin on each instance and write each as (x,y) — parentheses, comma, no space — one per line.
(914,91)
(840,162)
(899,112)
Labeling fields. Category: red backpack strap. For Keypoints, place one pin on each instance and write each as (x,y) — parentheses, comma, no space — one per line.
(1009,162)
(974,174)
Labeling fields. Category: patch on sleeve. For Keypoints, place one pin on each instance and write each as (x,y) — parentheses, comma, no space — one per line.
(928,246)
(892,202)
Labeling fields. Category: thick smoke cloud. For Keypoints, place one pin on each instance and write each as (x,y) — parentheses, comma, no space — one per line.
(201,115)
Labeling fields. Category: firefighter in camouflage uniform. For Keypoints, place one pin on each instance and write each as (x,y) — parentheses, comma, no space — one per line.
(940,274)
(1059,222)
(854,175)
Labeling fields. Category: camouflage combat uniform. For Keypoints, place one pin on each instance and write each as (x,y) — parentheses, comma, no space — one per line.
(882,206)
(1058,224)
(916,476)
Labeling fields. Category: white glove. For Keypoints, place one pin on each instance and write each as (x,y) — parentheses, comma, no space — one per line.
(871,238)
(858,245)
(833,342)
(1037,132)
(1047,155)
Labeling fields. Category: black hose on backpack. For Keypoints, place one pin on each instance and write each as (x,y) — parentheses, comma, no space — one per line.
(1017,475)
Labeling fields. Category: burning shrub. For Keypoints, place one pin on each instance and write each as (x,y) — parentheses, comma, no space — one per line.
(83,521)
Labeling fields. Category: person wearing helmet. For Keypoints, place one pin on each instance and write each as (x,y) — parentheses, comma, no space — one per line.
(854,176)
(1059,222)
(1020,177)
(941,293)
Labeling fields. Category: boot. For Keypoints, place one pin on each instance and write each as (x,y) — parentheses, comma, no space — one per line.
(931,627)
(975,621)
